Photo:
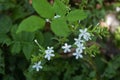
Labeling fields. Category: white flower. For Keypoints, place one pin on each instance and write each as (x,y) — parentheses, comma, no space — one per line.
(78,41)
(79,50)
(37,66)
(48,53)
(81,46)
(85,34)
(66,48)
(57,16)
(78,54)
(47,20)
(49,50)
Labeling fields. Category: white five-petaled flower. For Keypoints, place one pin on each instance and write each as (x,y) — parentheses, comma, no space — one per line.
(48,53)
(81,46)
(66,48)
(86,35)
(78,41)
(78,54)
(79,50)
(57,16)
(37,66)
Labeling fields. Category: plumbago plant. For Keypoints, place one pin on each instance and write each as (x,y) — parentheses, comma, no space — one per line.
(68,38)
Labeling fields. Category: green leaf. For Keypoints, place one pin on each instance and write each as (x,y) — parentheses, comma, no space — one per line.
(27,50)
(40,38)
(6,5)
(16,48)
(60,27)
(76,15)
(28,75)
(43,8)
(5,24)
(27,36)
(48,38)
(59,7)
(15,36)
(18,12)
(31,24)
(23,36)
(5,39)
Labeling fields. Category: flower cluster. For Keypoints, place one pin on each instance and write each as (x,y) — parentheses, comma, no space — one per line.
(79,43)
(48,53)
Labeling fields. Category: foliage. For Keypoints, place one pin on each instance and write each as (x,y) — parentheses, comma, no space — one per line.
(53,24)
